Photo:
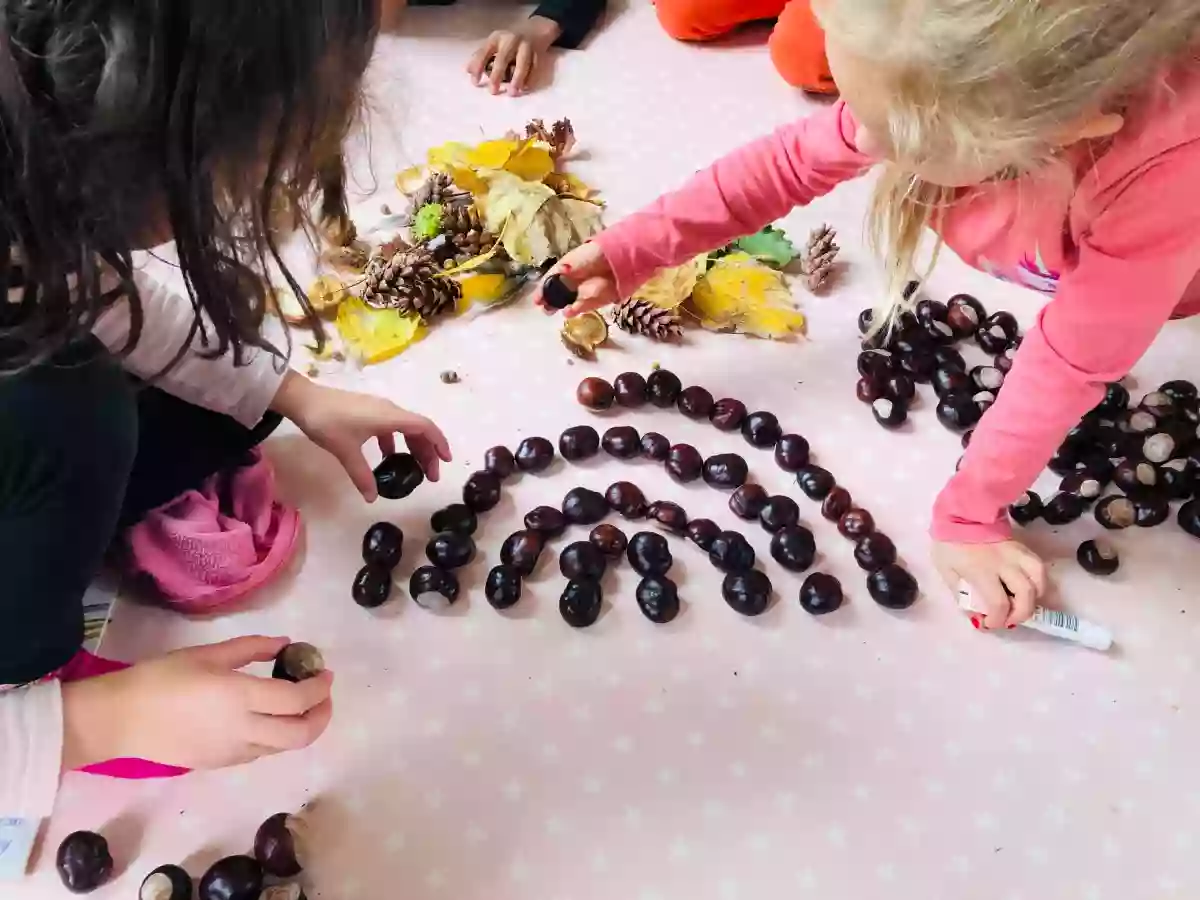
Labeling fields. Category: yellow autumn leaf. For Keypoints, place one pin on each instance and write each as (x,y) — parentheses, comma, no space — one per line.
(483,287)
(411,178)
(511,197)
(375,335)
(452,153)
(531,162)
(772,323)
(568,185)
(492,154)
(671,287)
(739,293)
(467,179)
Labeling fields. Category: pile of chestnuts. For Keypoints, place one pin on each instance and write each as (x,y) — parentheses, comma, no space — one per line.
(85,864)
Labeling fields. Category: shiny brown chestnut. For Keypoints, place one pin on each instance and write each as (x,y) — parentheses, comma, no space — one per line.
(630,390)
(663,388)
(609,540)
(534,455)
(821,594)
(582,559)
(747,502)
(793,548)
(481,493)
(728,414)
(649,554)
(684,463)
(868,389)
(500,462)
(622,442)
(791,453)
(731,552)
(875,551)
(522,550)
(815,482)
(596,394)
(655,447)
(778,513)
(836,504)
(626,499)
(702,533)
(669,516)
(726,471)
(279,845)
(747,593)
(582,506)
(695,402)
(761,429)
(856,524)
(578,443)
(546,521)
(893,587)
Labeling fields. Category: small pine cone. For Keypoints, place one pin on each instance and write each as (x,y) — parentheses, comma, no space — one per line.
(642,317)
(819,256)
(438,188)
(433,296)
(387,282)
(461,219)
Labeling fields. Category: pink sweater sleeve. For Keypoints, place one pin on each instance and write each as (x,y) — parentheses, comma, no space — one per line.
(1135,264)
(736,196)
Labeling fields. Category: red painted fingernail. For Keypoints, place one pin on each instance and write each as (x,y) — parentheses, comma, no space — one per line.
(566,267)
(1011,627)
(975,621)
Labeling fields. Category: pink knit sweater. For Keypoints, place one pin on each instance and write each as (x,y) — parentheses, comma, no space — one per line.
(1114,237)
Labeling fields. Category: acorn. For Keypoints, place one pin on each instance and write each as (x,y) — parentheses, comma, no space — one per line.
(1097,558)
(298,662)
(793,548)
(630,390)
(1062,509)
(626,499)
(761,429)
(581,603)
(521,550)
(83,862)
(658,599)
(747,502)
(669,516)
(728,414)
(731,552)
(578,443)
(396,477)
(582,559)
(622,442)
(501,462)
(747,593)
(596,394)
(1116,513)
(655,447)
(890,413)
(456,517)
(279,845)
(383,545)
(874,552)
(548,521)
(503,587)
(815,482)
(481,493)
(584,507)
(820,594)
(232,878)
(649,554)
(169,882)
(893,587)
(433,588)
(534,455)
(726,471)
(663,388)
(791,453)
(1028,508)
(695,402)
(702,533)
(779,512)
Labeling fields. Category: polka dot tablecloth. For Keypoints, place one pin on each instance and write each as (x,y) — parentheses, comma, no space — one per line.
(866,754)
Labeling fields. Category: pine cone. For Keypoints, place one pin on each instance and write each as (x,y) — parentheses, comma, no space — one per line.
(438,188)
(407,282)
(643,317)
(816,263)
(468,237)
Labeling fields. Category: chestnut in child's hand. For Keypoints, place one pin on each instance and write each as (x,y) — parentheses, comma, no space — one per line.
(398,476)
(232,878)
(83,862)
(555,291)
(279,845)
(297,662)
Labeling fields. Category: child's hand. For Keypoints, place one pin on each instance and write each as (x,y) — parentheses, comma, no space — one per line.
(341,422)
(193,708)
(587,270)
(519,51)
(990,568)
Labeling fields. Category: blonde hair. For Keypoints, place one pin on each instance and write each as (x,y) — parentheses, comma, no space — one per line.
(989,84)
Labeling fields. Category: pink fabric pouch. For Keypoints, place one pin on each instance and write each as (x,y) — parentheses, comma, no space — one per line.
(213,546)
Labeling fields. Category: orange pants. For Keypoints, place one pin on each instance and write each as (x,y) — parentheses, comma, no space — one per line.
(797,43)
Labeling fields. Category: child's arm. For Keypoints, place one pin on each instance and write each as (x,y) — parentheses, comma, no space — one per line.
(1135,264)
(575,19)
(736,196)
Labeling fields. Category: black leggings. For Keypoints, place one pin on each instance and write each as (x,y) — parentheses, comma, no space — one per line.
(84,452)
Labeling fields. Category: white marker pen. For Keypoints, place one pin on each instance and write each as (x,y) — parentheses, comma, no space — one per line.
(1052,622)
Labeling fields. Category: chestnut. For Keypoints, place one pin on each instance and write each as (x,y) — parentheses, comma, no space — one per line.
(1158,447)
(626,499)
(821,594)
(649,554)
(1132,477)
(1178,478)
(1098,558)
(876,364)
(582,559)
(964,314)
(893,587)
(951,381)
(1027,508)
(747,502)
(900,387)
(731,552)
(290,891)
(1158,404)
(919,363)
(868,389)
(609,540)
(298,662)
(372,586)
(455,517)
(998,331)
(521,550)
(874,552)
(726,471)
(279,845)
(555,290)
(949,358)
(1116,399)
(670,517)
(84,863)
(793,548)
(450,550)
(396,477)
(958,412)
(663,388)
(582,506)
(232,878)
(383,545)
(1151,509)
(815,482)
(684,463)
(169,882)
(546,521)
(1082,485)
(1137,421)
(747,593)
(622,442)
(779,512)
(481,493)
(578,443)
(658,599)
(1180,391)
(890,413)
(433,588)
(1003,362)
(655,447)
(791,453)
(695,402)
(500,462)
(983,400)
(987,378)
(836,504)
(1189,518)
(856,523)
(866,320)
(1065,460)
(596,394)
(728,414)
(928,311)
(761,429)
(1062,509)
(1116,513)
(702,533)
(534,455)
(581,602)
(630,390)
(503,587)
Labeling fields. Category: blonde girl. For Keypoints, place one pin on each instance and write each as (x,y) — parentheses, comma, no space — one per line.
(1055,144)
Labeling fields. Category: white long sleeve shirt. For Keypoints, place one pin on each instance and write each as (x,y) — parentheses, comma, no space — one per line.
(31,716)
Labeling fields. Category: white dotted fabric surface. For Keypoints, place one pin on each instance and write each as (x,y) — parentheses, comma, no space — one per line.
(866,754)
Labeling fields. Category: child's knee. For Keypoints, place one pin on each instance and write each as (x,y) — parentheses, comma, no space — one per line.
(684,20)
(798,50)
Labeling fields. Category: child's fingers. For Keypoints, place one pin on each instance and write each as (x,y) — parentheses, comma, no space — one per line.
(479,58)
(360,472)
(291,732)
(594,293)
(239,652)
(1023,599)
(387,444)
(427,456)
(525,61)
(500,62)
(276,697)
(1034,569)
(988,594)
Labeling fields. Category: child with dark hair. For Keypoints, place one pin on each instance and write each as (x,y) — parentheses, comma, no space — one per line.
(126,124)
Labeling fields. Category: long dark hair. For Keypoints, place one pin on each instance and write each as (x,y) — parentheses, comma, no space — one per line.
(207,119)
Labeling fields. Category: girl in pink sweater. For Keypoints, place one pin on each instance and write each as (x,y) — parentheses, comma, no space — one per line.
(1055,144)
